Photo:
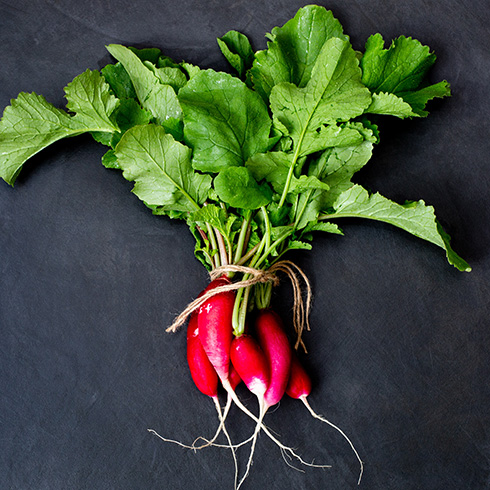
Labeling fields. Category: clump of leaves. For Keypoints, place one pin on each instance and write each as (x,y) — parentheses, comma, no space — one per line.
(255,162)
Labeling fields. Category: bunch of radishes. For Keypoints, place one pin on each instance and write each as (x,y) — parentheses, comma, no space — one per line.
(261,357)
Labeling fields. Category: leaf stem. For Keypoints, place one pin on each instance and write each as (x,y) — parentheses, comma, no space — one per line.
(242,236)
(222,247)
(214,245)
(248,255)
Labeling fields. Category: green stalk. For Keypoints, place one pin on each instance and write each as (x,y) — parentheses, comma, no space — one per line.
(241,237)
(240,308)
(290,172)
(267,227)
(214,245)
(248,255)
(222,247)
(300,215)
(269,250)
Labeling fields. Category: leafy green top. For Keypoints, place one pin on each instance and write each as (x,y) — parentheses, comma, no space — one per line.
(255,162)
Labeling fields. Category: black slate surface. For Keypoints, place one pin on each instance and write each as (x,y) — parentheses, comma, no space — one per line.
(89,279)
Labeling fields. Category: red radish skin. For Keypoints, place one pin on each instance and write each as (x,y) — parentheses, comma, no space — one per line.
(275,344)
(250,363)
(202,371)
(215,327)
(299,384)
(252,366)
(234,377)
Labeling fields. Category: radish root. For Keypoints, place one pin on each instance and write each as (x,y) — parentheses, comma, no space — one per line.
(323,419)
(262,411)
(221,428)
(245,410)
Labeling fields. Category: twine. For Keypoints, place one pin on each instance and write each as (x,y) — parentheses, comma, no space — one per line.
(301,307)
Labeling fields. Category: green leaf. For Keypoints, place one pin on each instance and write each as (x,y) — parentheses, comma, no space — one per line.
(293,49)
(161,169)
(278,216)
(127,114)
(324,226)
(279,234)
(169,75)
(237,187)
(165,61)
(30,123)
(452,257)
(334,93)
(391,105)
(216,217)
(298,245)
(415,217)
(211,214)
(419,98)
(190,70)
(401,70)
(153,55)
(109,160)
(335,167)
(89,97)
(225,122)
(120,82)
(201,249)
(157,98)
(274,168)
(236,48)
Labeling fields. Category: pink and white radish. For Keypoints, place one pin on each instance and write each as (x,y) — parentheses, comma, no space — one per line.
(215,327)
(252,365)
(202,371)
(277,350)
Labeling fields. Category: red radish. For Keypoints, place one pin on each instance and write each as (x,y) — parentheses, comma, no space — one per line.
(299,387)
(206,380)
(215,328)
(250,363)
(215,332)
(277,350)
(202,371)
(252,366)
(234,377)
(299,384)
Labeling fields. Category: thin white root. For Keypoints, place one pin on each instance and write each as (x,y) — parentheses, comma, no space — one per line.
(222,426)
(262,412)
(234,446)
(286,449)
(173,441)
(323,419)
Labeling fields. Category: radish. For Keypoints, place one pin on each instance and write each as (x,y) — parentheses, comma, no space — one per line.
(299,383)
(275,344)
(203,374)
(234,377)
(252,365)
(215,327)
(202,371)
(299,387)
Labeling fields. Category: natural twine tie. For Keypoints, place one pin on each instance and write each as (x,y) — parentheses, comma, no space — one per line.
(301,307)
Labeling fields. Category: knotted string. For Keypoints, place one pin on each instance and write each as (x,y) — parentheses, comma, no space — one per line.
(301,307)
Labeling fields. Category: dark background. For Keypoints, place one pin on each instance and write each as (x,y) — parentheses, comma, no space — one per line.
(89,279)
